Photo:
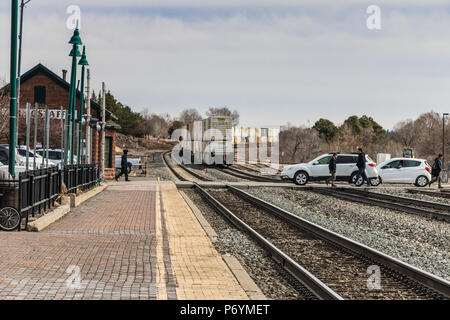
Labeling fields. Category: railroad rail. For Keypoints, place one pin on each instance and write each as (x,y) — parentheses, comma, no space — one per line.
(432,210)
(327,258)
(189,171)
(249,176)
(444,195)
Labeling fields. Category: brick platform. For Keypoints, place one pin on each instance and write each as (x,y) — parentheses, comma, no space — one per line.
(129,242)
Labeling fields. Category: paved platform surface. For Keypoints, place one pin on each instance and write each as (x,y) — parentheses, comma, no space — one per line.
(129,242)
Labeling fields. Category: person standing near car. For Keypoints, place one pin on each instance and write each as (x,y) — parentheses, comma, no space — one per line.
(436,171)
(123,166)
(332,167)
(361,164)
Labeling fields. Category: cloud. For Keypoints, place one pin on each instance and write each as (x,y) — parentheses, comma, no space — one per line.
(274,65)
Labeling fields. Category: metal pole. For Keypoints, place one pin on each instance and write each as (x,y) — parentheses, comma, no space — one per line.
(13,89)
(103,128)
(35,134)
(28,136)
(80,116)
(88,111)
(73,80)
(66,121)
(47,141)
(443,137)
(62,129)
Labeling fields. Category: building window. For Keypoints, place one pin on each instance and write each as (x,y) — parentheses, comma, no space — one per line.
(108,152)
(39,94)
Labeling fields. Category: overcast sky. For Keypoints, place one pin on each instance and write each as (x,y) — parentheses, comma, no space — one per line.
(276,61)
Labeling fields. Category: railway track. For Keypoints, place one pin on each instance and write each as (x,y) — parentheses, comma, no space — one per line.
(329,265)
(249,176)
(445,195)
(432,210)
(194,175)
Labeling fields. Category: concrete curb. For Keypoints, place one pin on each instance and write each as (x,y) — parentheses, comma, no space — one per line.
(76,201)
(59,212)
(46,220)
(251,289)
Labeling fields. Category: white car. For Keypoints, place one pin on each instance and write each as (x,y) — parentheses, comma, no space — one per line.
(405,170)
(317,169)
(4,171)
(23,153)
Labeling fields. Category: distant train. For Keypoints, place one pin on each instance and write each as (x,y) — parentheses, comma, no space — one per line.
(208,141)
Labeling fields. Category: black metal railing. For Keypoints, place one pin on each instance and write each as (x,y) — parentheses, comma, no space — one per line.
(80,176)
(38,190)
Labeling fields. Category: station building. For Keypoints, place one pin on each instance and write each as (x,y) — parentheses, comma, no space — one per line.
(42,86)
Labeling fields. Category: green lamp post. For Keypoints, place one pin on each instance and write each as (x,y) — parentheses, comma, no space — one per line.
(13,88)
(75,41)
(83,63)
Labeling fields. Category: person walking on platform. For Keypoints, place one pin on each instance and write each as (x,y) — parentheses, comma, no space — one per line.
(436,171)
(332,167)
(123,166)
(361,164)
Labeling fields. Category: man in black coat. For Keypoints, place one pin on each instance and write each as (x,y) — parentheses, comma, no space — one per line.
(361,164)
(123,166)
(332,168)
(436,171)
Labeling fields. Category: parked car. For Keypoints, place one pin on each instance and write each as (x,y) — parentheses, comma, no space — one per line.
(23,153)
(317,169)
(404,170)
(4,171)
(56,156)
(4,157)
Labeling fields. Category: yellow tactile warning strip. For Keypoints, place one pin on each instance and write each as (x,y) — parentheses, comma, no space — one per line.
(199,271)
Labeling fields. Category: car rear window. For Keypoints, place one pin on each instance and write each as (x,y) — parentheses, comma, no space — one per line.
(411,163)
(346,159)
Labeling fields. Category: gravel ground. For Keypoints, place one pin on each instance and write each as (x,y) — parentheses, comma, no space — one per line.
(213,173)
(268,276)
(157,168)
(404,193)
(415,240)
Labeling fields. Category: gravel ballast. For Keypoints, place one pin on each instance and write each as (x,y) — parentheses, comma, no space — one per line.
(268,276)
(157,168)
(413,239)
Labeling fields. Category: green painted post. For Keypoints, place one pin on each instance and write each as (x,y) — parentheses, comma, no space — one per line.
(13,87)
(83,62)
(75,41)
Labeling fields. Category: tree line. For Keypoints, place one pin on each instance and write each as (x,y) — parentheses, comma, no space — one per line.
(423,135)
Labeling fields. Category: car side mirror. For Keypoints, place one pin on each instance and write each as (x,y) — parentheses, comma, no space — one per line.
(315,163)
(399,167)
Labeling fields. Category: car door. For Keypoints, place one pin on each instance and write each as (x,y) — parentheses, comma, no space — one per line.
(410,171)
(345,165)
(319,168)
(390,172)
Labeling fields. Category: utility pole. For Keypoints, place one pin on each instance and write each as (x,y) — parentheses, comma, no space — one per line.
(88,118)
(443,137)
(22,6)
(13,89)
(103,128)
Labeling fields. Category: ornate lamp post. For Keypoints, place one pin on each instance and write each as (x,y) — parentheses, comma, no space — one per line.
(13,88)
(75,41)
(83,62)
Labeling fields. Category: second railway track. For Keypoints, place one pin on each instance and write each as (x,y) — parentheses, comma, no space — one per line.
(331,266)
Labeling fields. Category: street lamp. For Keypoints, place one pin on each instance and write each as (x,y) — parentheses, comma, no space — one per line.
(74,53)
(83,63)
(13,88)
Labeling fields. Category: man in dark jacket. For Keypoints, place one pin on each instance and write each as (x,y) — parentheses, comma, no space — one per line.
(123,166)
(332,168)
(436,171)
(361,164)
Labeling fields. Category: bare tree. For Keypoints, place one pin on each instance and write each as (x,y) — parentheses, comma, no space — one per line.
(225,112)
(300,144)
(4,111)
(189,116)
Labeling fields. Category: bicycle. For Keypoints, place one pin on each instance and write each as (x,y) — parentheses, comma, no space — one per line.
(9,218)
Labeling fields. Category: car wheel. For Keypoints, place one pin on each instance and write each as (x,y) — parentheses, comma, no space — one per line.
(301,178)
(421,181)
(358,183)
(375,181)
(9,219)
